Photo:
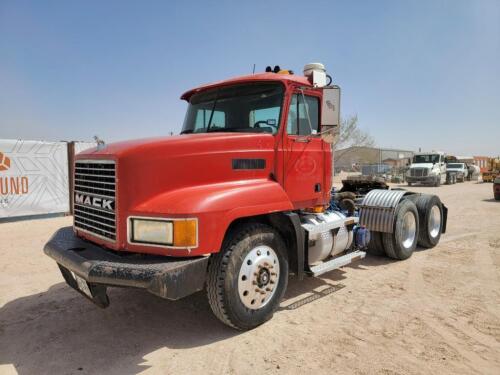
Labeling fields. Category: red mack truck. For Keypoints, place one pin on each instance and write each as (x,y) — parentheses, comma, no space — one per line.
(235,204)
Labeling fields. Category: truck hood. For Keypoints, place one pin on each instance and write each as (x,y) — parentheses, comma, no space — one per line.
(148,167)
(422,165)
(188,143)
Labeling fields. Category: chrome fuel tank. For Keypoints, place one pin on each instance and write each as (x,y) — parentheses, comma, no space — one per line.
(331,241)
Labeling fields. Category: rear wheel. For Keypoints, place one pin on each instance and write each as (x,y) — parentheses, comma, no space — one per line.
(376,246)
(248,277)
(402,242)
(497,197)
(430,212)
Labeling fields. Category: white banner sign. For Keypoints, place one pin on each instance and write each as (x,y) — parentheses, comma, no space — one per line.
(82,146)
(33,178)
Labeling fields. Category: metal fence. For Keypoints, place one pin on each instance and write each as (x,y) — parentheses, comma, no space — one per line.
(388,172)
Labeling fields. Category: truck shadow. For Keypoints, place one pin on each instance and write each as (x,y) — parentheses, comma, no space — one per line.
(59,331)
(491,200)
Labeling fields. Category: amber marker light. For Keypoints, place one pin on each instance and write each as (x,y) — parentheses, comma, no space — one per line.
(186,233)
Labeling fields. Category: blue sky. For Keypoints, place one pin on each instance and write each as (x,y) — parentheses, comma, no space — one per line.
(417,73)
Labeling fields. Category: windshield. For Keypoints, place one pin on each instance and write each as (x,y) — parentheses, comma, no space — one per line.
(252,108)
(432,158)
(455,165)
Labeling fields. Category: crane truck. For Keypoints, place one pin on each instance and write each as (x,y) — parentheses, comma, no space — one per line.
(236,203)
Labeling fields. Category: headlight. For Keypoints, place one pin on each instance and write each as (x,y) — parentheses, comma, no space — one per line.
(152,231)
(176,232)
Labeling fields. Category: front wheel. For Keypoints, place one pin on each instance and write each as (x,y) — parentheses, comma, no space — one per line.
(248,277)
(438,181)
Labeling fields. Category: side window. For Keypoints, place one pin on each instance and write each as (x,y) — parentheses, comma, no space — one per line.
(298,121)
(203,117)
(265,118)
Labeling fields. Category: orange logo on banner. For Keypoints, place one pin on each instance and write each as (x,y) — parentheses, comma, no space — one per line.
(11,185)
(4,162)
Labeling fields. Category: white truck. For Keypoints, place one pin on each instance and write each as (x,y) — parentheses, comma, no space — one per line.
(427,168)
(461,170)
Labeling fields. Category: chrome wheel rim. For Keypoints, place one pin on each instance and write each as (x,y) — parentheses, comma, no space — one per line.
(258,277)
(434,221)
(409,229)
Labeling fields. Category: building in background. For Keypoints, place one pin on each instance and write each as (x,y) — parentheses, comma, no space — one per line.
(358,159)
(482,162)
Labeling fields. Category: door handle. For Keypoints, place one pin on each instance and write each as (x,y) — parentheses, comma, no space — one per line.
(302,140)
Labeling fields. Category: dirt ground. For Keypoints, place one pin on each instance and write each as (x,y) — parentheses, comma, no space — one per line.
(437,312)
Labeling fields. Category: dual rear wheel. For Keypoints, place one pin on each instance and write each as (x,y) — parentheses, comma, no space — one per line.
(418,220)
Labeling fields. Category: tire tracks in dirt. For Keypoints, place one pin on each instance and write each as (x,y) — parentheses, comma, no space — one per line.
(485,271)
(453,332)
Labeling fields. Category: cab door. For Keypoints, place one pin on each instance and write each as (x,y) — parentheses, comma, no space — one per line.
(304,172)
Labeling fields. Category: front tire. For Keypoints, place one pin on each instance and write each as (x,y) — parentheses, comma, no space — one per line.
(248,277)
(438,181)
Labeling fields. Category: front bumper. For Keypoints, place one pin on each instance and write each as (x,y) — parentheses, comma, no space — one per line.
(423,179)
(167,277)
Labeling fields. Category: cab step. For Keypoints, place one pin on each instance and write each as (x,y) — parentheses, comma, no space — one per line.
(337,262)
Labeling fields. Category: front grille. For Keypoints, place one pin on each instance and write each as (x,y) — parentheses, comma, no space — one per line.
(419,172)
(94,197)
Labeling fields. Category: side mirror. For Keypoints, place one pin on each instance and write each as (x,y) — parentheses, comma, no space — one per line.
(330,113)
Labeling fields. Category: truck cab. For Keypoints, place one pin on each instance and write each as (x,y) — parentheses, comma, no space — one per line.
(238,201)
(427,168)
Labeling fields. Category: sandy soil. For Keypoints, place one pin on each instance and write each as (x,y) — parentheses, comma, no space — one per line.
(438,312)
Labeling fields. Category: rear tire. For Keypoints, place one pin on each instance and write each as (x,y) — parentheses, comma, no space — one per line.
(376,246)
(252,253)
(402,242)
(430,213)
(497,197)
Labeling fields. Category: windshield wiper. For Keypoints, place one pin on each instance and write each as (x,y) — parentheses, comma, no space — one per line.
(213,110)
(187,131)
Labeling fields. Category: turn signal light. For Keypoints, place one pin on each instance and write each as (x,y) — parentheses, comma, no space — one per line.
(185,233)
(316,209)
